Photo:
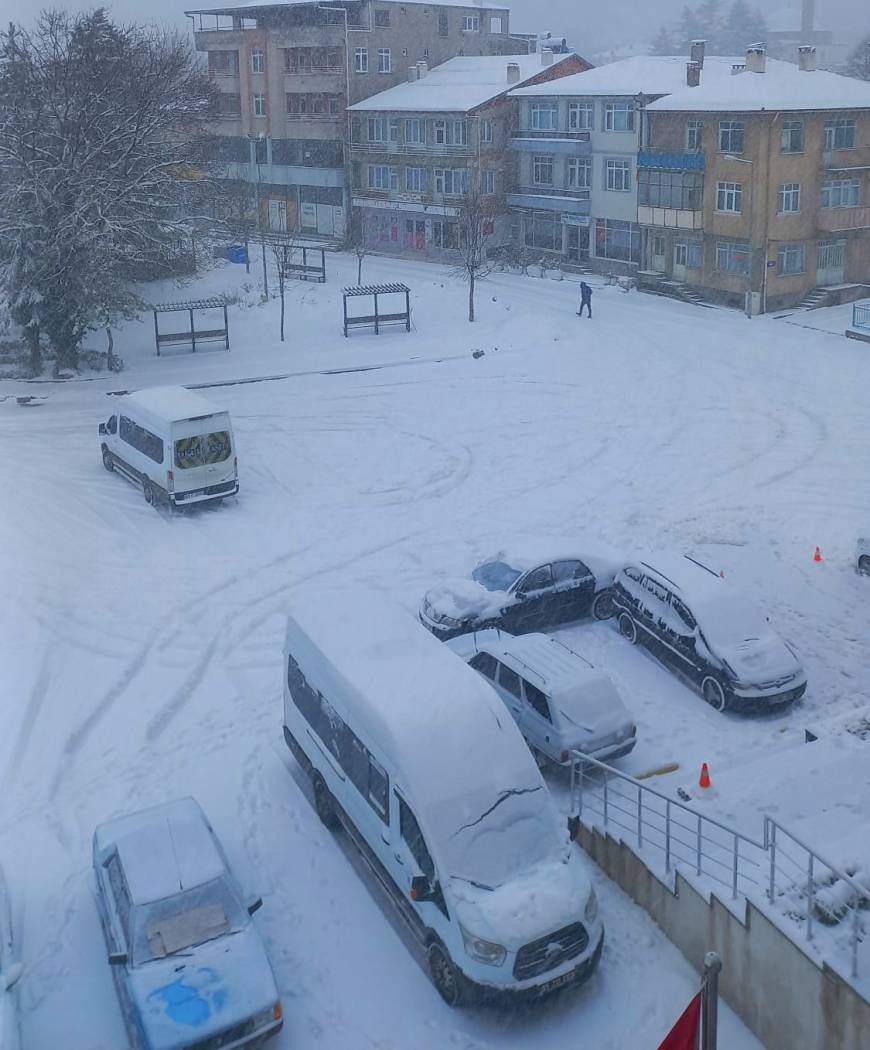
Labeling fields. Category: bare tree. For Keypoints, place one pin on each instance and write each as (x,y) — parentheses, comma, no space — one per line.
(99,143)
(282,248)
(357,238)
(476,226)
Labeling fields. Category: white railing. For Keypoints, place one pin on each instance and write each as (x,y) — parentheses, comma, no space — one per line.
(777,870)
(412,148)
(861,316)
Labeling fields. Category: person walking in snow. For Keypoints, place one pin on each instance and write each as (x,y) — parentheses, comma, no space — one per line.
(585,299)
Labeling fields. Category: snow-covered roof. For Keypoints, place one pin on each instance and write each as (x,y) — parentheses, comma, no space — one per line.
(172,403)
(783,86)
(458,85)
(641,74)
(163,850)
(558,665)
(692,579)
(251,5)
(528,552)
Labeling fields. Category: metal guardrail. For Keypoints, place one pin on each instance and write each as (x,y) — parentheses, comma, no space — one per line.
(861,317)
(778,868)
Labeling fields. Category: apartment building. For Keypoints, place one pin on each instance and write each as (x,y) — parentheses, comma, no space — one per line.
(415,146)
(287,71)
(576,154)
(755,190)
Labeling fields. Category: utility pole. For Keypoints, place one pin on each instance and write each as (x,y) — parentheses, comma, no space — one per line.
(259,140)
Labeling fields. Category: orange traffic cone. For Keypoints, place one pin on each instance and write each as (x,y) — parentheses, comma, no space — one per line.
(818,555)
(704,781)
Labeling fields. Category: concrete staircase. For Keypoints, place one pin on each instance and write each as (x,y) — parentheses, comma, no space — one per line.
(658,284)
(814,299)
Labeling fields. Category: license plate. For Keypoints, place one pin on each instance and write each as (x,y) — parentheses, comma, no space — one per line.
(558,982)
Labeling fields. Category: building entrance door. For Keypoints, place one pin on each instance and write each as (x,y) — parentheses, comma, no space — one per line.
(681,258)
(576,242)
(831,265)
(658,253)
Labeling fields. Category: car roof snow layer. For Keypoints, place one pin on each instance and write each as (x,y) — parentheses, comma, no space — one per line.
(172,403)
(407,694)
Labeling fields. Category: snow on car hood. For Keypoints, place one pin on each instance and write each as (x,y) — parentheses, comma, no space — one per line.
(737,632)
(760,660)
(187,997)
(465,600)
(539,901)
(595,708)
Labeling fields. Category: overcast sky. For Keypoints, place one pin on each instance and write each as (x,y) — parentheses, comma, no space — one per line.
(590,25)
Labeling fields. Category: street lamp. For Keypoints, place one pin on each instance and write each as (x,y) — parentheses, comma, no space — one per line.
(751,163)
(257,141)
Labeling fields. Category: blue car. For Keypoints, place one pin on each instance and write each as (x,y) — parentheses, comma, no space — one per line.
(189,966)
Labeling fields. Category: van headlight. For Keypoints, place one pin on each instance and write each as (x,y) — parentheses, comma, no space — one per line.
(483,951)
(591,910)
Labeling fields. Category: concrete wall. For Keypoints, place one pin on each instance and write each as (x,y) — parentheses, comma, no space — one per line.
(786,998)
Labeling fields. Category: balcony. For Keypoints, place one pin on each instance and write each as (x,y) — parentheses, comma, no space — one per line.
(436,204)
(572,144)
(665,161)
(837,220)
(550,198)
(847,159)
(670,218)
(414,149)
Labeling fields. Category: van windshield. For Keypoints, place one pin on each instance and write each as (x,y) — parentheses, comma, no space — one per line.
(489,839)
(203,449)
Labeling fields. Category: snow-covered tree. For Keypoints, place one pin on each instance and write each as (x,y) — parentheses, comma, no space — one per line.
(858,64)
(664,43)
(357,238)
(99,139)
(743,26)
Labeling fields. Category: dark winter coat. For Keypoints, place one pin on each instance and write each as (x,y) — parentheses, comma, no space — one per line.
(585,293)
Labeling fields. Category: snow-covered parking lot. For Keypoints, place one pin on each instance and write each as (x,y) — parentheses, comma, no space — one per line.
(141,653)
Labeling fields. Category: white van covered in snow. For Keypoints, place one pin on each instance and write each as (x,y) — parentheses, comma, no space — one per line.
(175,444)
(414,754)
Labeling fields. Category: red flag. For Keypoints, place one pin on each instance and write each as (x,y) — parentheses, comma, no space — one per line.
(686,1032)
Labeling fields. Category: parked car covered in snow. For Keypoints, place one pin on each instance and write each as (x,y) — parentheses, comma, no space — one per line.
(10,974)
(189,966)
(177,445)
(558,699)
(864,556)
(707,632)
(413,754)
(531,587)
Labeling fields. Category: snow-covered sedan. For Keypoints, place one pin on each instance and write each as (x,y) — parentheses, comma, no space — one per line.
(189,966)
(531,587)
(10,972)
(706,631)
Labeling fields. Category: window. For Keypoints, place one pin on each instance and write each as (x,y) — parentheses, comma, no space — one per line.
(451,132)
(230,105)
(487,183)
(258,61)
(451,181)
(496,24)
(223,63)
(119,894)
(790,259)
(485,664)
(543,229)
(258,105)
(537,700)
(313,59)
(617,239)
(681,190)
(694,134)
(568,571)
(510,681)
(112,425)
(486,131)
(732,256)
(579,173)
(382,18)
(383,129)
(443,24)
(580,116)
(415,180)
(383,178)
(729,196)
(789,198)
(544,116)
(415,132)
(839,134)
(841,193)
(445,234)
(682,611)
(617,175)
(470,24)
(537,580)
(792,136)
(619,116)
(203,450)
(385,62)
(379,790)
(542,171)
(142,440)
(695,259)
(314,105)
(361,60)
(731,134)
(412,836)
(681,254)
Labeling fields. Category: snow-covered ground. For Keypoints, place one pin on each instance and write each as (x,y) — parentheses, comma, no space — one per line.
(141,654)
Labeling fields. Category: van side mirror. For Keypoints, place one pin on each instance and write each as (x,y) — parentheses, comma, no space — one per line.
(11,976)
(103,429)
(117,958)
(422,889)
(255,905)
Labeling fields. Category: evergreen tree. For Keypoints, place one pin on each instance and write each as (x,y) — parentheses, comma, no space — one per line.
(688,29)
(664,43)
(858,64)
(742,27)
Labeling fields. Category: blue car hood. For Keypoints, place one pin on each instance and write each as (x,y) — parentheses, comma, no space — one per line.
(190,996)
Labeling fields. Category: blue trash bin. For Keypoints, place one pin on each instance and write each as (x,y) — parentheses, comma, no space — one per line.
(237,253)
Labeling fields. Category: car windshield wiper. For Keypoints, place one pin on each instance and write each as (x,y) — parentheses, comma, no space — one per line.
(501,798)
(473,882)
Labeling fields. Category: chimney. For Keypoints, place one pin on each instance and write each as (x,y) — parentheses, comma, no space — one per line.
(547,56)
(412,73)
(756,59)
(738,67)
(513,72)
(697,53)
(693,74)
(807,58)
(422,68)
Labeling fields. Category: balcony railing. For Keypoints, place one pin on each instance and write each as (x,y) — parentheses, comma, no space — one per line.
(537,133)
(670,218)
(413,149)
(554,191)
(834,220)
(663,160)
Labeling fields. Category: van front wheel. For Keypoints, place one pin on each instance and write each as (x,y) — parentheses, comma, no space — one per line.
(108,459)
(445,976)
(323,803)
